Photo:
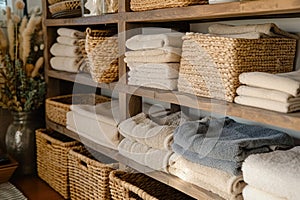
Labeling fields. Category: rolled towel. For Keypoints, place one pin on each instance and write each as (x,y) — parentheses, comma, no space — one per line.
(154,52)
(152,41)
(249,192)
(166,57)
(276,172)
(70,33)
(284,82)
(68,64)
(268,104)
(58,49)
(165,84)
(67,40)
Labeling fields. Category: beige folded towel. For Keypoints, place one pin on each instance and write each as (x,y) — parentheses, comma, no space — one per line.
(152,41)
(250,192)
(67,40)
(68,64)
(276,172)
(165,84)
(58,49)
(153,74)
(166,57)
(284,82)
(70,33)
(154,52)
(270,29)
(217,181)
(268,104)
(250,35)
(167,70)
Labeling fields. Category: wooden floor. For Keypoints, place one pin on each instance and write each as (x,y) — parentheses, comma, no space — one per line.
(35,189)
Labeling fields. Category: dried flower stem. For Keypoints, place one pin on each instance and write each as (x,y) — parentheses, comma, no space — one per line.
(11,38)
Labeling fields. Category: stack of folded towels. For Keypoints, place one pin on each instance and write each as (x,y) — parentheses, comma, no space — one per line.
(148,141)
(154,60)
(272,176)
(278,92)
(210,152)
(66,51)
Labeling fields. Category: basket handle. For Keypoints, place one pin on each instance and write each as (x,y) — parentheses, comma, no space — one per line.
(49,144)
(88,30)
(83,165)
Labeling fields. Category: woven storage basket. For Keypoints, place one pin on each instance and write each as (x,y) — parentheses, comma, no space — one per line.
(142,5)
(57,107)
(89,178)
(132,186)
(210,65)
(64,6)
(52,159)
(102,53)
(50,2)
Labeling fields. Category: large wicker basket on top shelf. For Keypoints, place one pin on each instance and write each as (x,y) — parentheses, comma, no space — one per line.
(210,65)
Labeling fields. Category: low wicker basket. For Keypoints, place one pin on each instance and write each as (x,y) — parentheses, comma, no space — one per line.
(210,65)
(142,5)
(89,178)
(57,107)
(132,186)
(52,151)
(102,53)
(64,6)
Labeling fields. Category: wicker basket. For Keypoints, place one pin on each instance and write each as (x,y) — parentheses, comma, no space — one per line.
(142,5)
(64,6)
(210,65)
(89,178)
(52,159)
(139,186)
(57,107)
(102,53)
(50,2)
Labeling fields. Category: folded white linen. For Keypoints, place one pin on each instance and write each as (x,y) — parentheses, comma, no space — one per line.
(250,192)
(165,84)
(285,82)
(67,40)
(58,49)
(154,52)
(217,181)
(263,93)
(268,104)
(167,70)
(70,33)
(249,35)
(153,74)
(276,172)
(68,64)
(138,42)
(166,57)
(154,158)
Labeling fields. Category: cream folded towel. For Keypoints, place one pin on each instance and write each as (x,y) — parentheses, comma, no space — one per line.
(276,172)
(68,64)
(166,57)
(165,84)
(70,33)
(152,41)
(217,181)
(167,70)
(263,93)
(250,35)
(270,29)
(268,104)
(284,82)
(250,192)
(154,52)
(58,49)
(153,74)
(67,40)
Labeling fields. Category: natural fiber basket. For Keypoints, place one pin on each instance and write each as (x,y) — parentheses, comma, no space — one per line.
(64,6)
(57,107)
(142,5)
(132,186)
(52,150)
(50,2)
(210,65)
(102,53)
(89,178)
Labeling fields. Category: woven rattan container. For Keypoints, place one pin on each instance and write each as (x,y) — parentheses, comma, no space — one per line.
(52,159)
(102,53)
(210,65)
(125,185)
(64,5)
(142,5)
(89,178)
(57,107)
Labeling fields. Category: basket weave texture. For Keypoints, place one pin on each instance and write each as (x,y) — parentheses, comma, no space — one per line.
(133,186)
(50,2)
(57,107)
(64,6)
(210,65)
(52,159)
(142,5)
(89,178)
(102,52)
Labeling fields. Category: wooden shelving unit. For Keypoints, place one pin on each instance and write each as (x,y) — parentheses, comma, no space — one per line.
(130,96)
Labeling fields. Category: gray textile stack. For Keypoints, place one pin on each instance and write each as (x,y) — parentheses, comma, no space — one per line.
(10,192)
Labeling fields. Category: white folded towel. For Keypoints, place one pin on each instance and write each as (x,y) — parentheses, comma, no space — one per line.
(284,82)
(153,74)
(249,35)
(166,57)
(58,49)
(68,64)
(152,41)
(276,172)
(251,192)
(67,40)
(70,33)
(165,84)
(154,52)
(268,104)
(151,70)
